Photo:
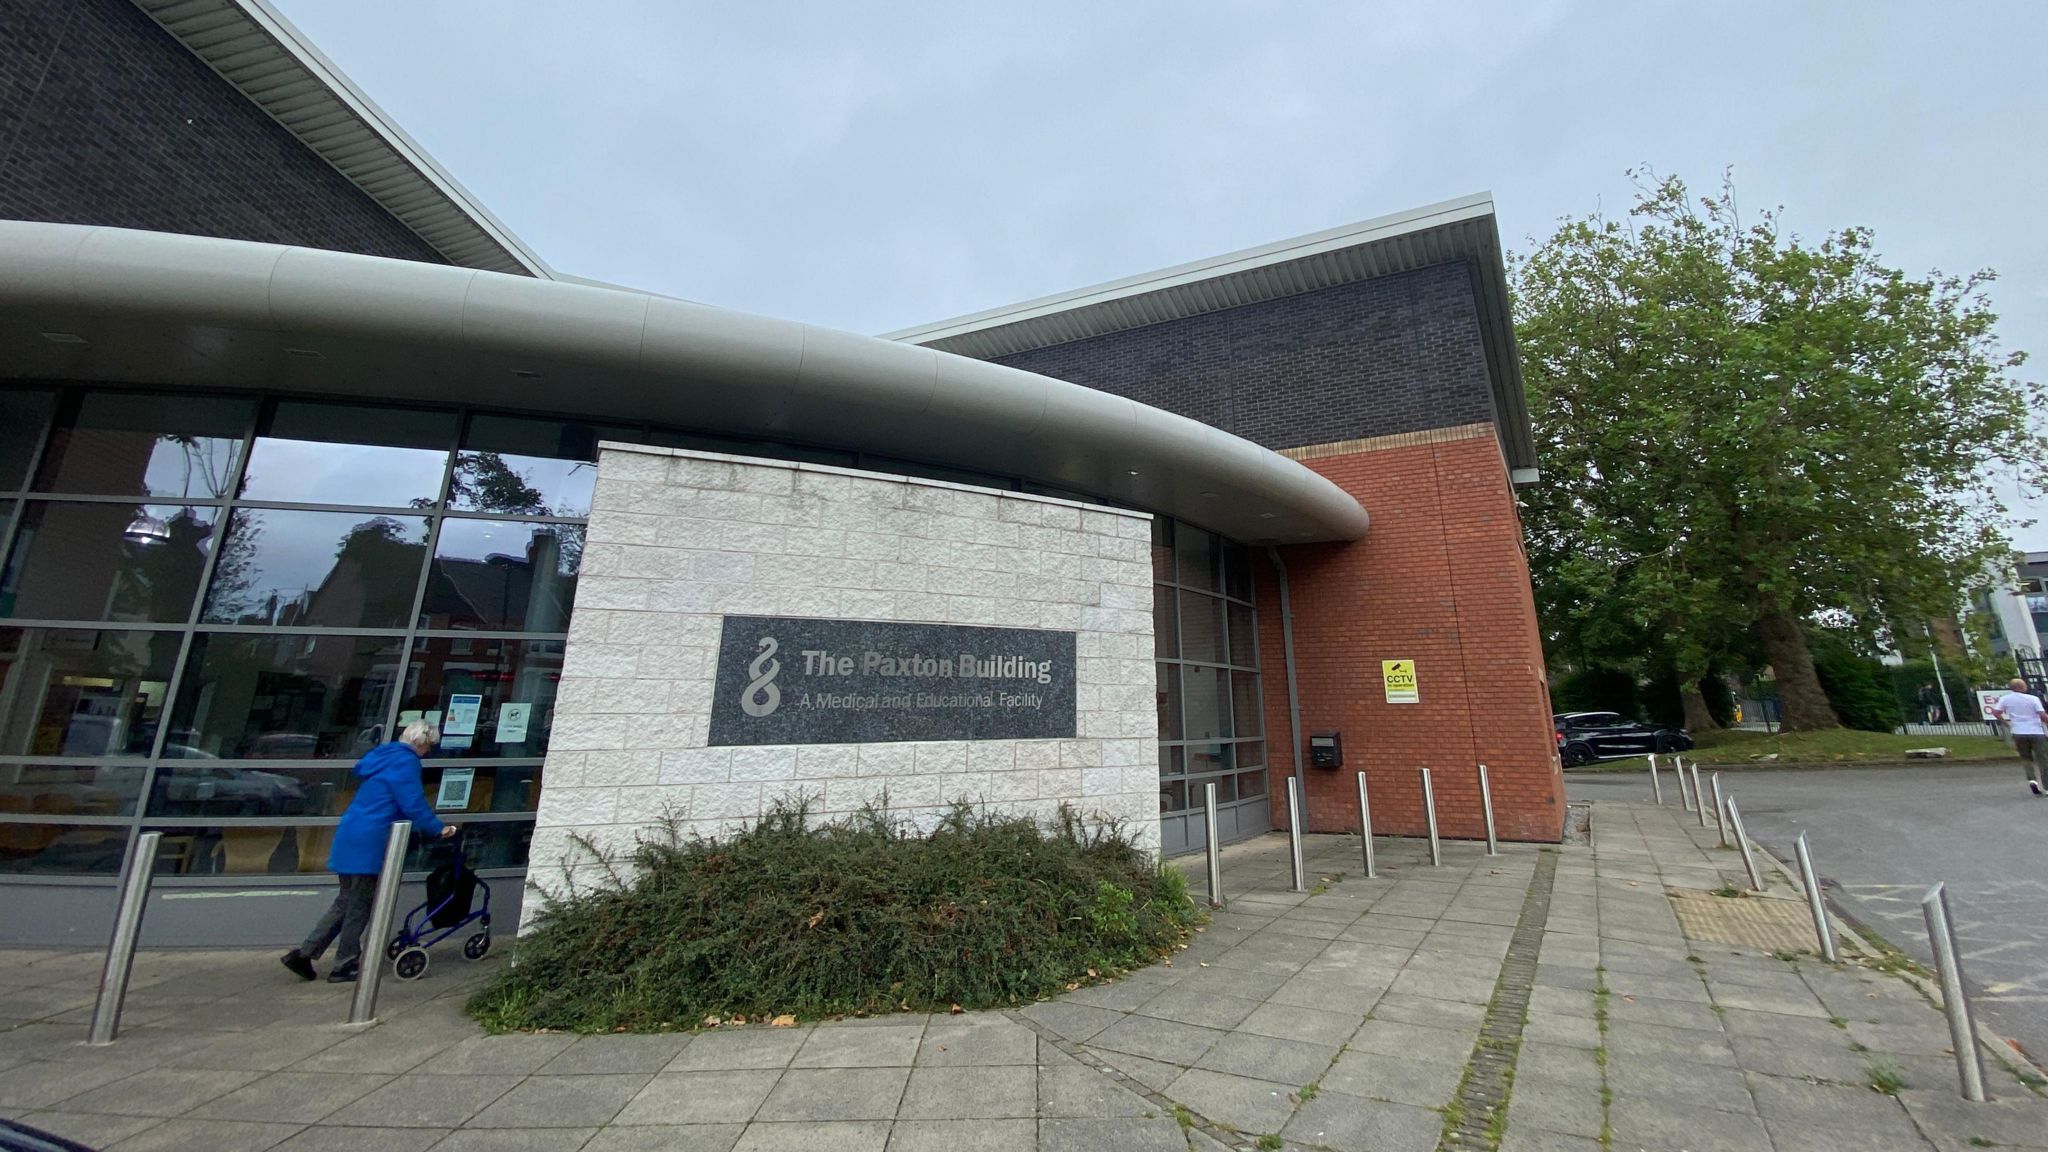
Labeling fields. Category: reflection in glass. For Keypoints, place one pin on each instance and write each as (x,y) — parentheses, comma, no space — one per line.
(284,697)
(1198,556)
(81,692)
(1173,796)
(74,849)
(492,844)
(1201,628)
(1247,710)
(490,788)
(539,467)
(1162,550)
(1250,784)
(1165,623)
(124,562)
(1237,571)
(345,454)
(1168,692)
(1207,695)
(70,789)
(1170,760)
(1244,637)
(513,681)
(131,444)
(22,416)
(503,575)
(209,787)
(320,569)
(1209,759)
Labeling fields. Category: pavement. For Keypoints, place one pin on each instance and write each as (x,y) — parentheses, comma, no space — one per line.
(1545,1000)
(1882,837)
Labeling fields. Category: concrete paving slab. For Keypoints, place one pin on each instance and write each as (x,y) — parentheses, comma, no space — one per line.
(993,1092)
(745,1048)
(292,1097)
(425,1102)
(1124,1135)
(820,1094)
(723,1097)
(598,1054)
(1393,1078)
(957,1135)
(826,1136)
(666,1138)
(563,1101)
(881,1046)
(1245,1103)
(1349,1124)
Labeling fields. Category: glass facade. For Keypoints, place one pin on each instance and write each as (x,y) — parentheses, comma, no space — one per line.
(211,605)
(1211,714)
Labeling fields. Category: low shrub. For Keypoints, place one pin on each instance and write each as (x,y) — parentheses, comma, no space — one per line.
(859,915)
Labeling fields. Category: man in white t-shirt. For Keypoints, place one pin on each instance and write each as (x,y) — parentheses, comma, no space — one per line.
(2028,720)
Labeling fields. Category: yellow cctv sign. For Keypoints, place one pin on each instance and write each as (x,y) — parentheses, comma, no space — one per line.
(1400,678)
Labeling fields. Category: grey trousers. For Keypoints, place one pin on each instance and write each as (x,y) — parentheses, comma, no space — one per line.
(345,918)
(2033,758)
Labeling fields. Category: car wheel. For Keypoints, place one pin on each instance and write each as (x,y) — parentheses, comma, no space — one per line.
(1667,744)
(1577,754)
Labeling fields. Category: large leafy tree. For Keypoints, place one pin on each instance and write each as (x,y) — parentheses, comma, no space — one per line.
(1740,431)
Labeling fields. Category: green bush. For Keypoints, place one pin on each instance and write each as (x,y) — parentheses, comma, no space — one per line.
(855,916)
(1859,688)
(1596,690)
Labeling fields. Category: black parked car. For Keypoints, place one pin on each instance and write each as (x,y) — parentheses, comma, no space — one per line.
(1583,737)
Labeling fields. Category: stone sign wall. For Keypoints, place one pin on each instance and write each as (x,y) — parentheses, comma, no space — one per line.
(874,580)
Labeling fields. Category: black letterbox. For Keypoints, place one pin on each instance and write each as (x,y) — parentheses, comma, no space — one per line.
(1326,749)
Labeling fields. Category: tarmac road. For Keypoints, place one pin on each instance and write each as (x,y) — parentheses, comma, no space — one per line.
(1884,836)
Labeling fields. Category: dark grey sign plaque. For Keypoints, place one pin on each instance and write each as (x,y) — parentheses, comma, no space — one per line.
(796,680)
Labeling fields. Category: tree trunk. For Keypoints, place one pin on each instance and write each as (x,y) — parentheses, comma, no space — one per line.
(1804,706)
(1697,718)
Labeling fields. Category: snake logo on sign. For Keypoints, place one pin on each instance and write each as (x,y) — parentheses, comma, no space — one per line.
(761,697)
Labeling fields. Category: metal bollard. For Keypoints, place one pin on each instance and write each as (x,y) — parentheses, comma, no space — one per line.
(1294,832)
(1962,1029)
(1656,787)
(1756,879)
(1822,930)
(1699,797)
(1678,768)
(135,878)
(1365,826)
(1215,849)
(1720,811)
(1486,802)
(363,1009)
(1436,853)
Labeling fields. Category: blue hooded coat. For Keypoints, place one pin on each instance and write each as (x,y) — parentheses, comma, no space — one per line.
(390,789)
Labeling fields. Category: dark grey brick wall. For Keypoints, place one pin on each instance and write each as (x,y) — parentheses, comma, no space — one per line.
(1401,353)
(105,119)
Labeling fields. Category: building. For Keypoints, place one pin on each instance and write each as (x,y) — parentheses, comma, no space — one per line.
(300,443)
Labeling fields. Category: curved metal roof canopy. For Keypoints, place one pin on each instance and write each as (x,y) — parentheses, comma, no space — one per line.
(87,303)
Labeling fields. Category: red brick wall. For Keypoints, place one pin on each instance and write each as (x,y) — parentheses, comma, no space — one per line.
(1441,578)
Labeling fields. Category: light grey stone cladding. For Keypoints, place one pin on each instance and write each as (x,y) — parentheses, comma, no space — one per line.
(679,539)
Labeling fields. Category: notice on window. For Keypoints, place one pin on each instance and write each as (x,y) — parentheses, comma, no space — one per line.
(1400,681)
(1987,699)
(460,727)
(512,723)
(453,795)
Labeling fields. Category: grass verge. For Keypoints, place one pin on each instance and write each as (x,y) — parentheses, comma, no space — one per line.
(860,915)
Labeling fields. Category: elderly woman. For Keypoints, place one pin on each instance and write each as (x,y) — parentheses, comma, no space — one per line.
(389,788)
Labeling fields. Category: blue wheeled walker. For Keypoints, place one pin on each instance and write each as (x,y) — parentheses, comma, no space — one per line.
(450,906)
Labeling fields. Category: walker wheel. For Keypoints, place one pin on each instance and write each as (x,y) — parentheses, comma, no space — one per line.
(411,964)
(396,946)
(477,945)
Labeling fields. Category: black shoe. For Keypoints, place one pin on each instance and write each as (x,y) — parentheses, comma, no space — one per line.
(343,975)
(2035,785)
(300,966)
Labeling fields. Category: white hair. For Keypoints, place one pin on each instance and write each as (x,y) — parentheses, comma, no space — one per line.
(421,732)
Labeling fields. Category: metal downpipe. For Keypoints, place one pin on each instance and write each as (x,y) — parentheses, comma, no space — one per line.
(1287,655)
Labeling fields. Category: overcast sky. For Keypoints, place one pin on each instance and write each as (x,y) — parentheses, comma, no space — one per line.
(876,166)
